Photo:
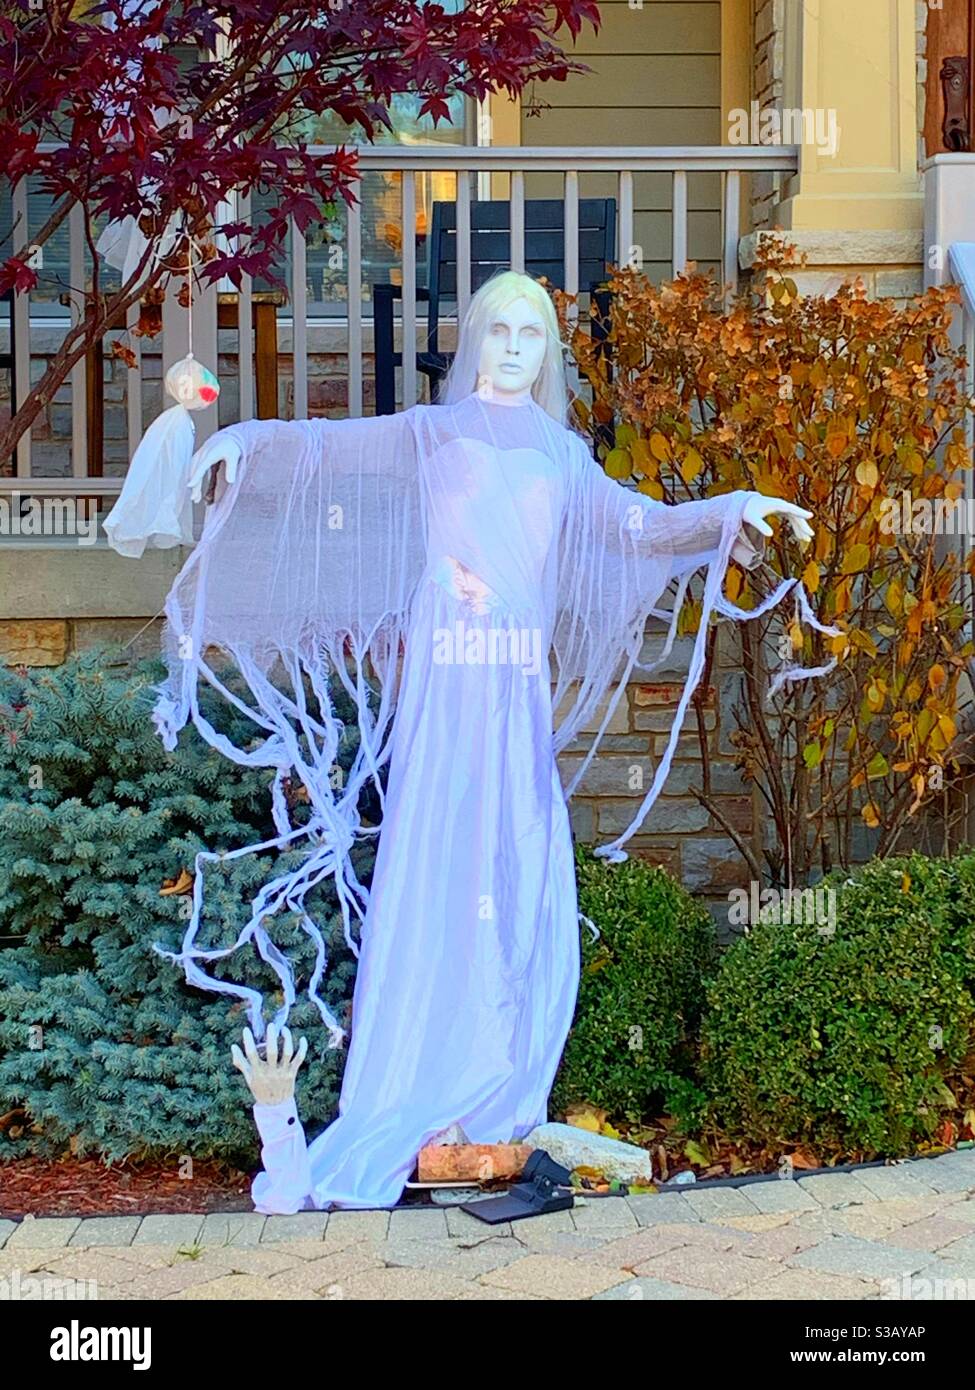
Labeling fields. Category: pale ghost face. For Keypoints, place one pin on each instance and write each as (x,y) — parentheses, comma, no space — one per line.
(512,350)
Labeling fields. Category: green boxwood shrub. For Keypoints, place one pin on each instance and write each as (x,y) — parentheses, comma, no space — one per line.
(101,1040)
(843,1041)
(959,893)
(631,1046)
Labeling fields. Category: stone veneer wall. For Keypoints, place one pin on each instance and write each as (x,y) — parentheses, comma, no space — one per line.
(679,833)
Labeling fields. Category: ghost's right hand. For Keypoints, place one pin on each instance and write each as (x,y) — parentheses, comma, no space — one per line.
(271,1077)
(218,449)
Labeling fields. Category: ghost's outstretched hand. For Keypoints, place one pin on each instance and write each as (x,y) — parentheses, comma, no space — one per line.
(218,449)
(758,508)
(271,1077)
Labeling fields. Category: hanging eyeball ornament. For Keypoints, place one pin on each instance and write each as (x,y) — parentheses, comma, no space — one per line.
(192,384)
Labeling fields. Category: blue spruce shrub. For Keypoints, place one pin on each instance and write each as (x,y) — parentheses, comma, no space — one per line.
(103,1046)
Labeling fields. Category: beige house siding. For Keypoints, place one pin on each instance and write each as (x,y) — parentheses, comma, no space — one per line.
(655,79)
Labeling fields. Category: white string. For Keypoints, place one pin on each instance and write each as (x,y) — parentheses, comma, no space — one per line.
(189,294)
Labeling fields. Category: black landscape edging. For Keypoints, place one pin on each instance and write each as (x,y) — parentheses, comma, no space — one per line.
(746,1179)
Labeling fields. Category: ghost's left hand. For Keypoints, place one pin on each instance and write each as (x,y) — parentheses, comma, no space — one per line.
(758,508)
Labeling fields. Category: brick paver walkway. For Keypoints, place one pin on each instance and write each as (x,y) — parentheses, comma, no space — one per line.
(905,1231)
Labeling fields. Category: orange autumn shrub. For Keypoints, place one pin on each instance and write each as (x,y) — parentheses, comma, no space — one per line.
(857,409)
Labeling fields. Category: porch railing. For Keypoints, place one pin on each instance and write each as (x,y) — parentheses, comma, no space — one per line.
(730,162)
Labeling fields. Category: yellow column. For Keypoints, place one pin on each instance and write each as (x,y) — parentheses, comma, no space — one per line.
(737,55)
(852,68)
(737,46)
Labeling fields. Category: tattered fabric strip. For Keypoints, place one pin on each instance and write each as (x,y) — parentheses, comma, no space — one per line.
(714,601)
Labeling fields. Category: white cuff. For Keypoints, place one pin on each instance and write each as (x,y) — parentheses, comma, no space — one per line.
(285,1183)
(749,547)
(276,1121)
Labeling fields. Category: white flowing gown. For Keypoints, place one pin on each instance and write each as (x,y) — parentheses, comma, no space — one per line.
(473,889)
(478,540)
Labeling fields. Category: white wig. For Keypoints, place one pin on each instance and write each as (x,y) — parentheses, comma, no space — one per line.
(549,389)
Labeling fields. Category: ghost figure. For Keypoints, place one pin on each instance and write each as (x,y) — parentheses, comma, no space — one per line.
(478,540)
(156,485)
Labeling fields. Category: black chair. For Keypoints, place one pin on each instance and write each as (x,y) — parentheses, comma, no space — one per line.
(8,361)
(490,252)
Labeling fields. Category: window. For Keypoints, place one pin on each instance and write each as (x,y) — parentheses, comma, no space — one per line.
(381,210)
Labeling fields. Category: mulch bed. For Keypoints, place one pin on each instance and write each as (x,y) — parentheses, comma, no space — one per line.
(72,1186)
(88,1187)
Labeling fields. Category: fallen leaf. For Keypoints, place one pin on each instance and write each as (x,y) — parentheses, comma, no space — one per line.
(802,1158)
(588,1117)
(177,886)
(697,1153)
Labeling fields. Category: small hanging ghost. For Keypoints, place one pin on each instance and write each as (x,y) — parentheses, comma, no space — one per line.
(157,485)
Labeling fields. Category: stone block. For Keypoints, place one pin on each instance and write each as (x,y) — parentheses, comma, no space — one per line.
(332,394)
(241,1228)
(676,665)
(712,862)
(898,284)
(726,780)
(688,745)
(836,1189)
(662,1208)
(666,693)
(723,1273)
(660,719)
(660,856)
(574,1147)
(619,724)
(43,1233)
(669,815)
(582,817)
(719,1201)
(865,1259)
(848,249)
(139,638)
(354,1226)
(739,812)
(422,1223)
(780,1196)
(553,1278)
(610,775)
(900,1180)
(169,1230)
(106,1230)
(33,642)
(84,582)
(116,422)
(640,744)
(304,1225)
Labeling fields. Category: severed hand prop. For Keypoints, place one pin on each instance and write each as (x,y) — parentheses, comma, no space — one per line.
(271,1076)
